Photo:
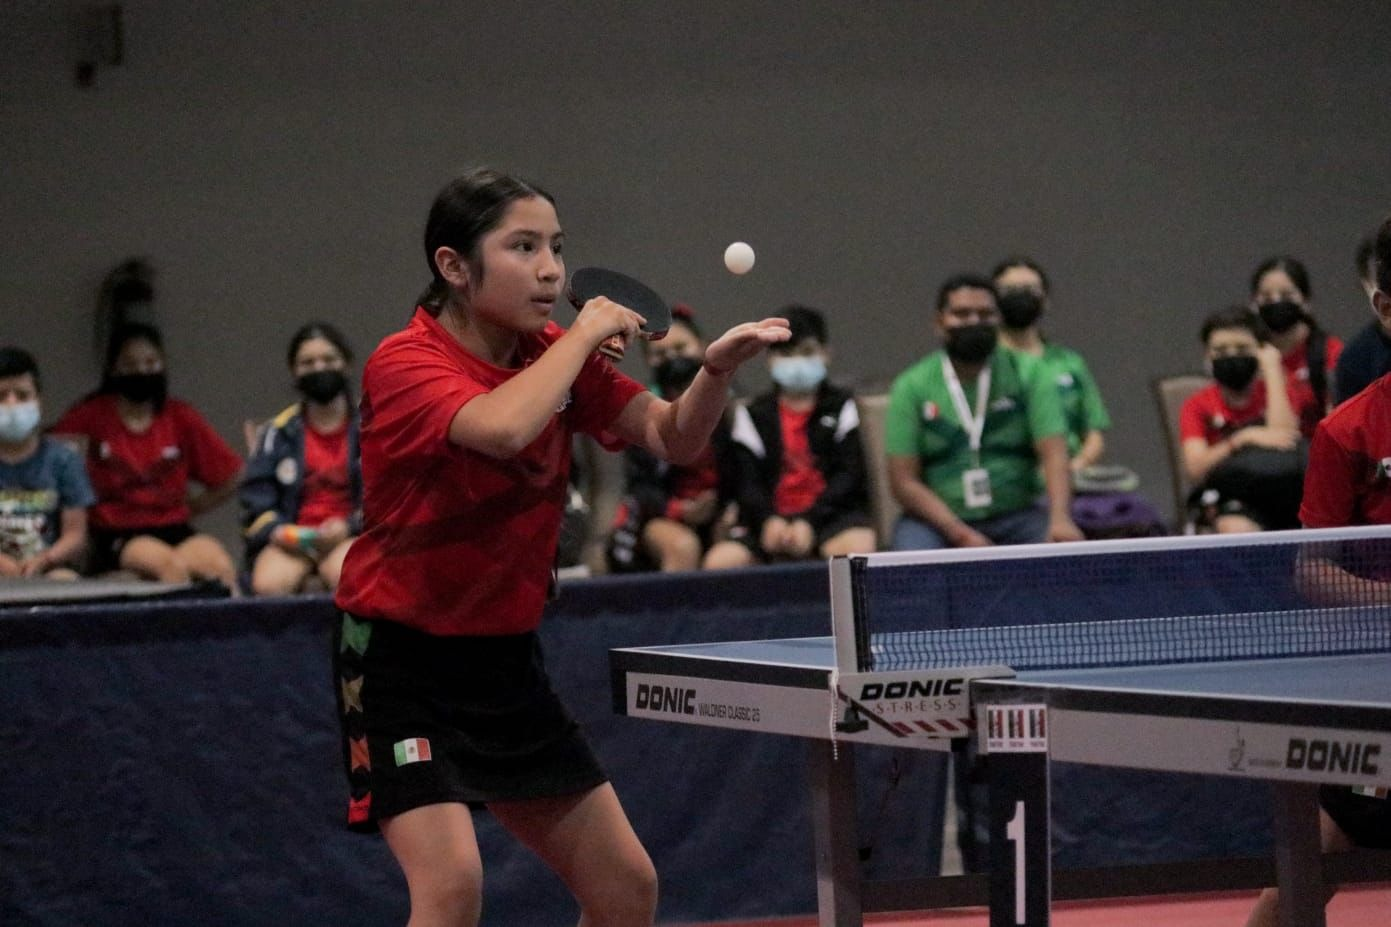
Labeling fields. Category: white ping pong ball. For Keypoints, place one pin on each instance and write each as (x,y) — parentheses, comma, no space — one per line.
(738,257)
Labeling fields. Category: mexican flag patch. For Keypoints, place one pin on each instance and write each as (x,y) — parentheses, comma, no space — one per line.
(415,750)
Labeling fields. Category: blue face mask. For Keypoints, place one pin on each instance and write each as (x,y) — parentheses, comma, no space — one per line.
(18,421)
(799,374)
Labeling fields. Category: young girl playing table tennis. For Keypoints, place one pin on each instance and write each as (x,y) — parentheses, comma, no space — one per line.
(467,417)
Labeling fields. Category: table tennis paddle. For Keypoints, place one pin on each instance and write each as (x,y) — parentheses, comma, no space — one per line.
(589,282)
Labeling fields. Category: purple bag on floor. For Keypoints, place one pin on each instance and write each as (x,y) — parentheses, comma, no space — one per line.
(1103,515)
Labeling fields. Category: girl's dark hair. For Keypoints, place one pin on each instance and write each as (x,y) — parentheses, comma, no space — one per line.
(683,314)
(123,335)
(1293,268)
(312,330)
(468,208)
(1383,257)
(1020,260)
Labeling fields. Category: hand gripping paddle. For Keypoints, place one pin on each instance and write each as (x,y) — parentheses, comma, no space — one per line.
(589,282)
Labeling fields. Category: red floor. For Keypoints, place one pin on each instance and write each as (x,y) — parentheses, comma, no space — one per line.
(1364,906)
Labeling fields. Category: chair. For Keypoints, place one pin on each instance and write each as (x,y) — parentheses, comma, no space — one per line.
(1170,393)
(250,431)
(601,484)
(884,508)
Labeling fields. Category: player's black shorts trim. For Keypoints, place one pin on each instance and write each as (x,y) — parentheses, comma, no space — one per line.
(104,547)
(429,719)
(1366,820)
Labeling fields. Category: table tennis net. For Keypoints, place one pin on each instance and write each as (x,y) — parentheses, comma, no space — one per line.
(1183,600)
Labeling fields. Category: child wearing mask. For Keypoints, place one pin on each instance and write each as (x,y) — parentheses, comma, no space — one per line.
(1282,298)
(301,498)
(670,513)
(143,449)
(799,468)
(44,491)
(1237,421)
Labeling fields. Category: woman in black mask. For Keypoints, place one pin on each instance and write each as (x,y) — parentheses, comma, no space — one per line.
(1243,419)
(1281,296)
(144,448)
(302,496)
(1023,297)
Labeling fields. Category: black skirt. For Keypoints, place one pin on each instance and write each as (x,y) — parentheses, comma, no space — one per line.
(429,719)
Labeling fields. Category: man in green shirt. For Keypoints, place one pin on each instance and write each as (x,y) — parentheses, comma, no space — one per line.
(1023,296)
(975,434)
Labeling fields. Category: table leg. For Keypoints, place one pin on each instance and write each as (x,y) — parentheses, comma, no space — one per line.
(832,776)
(1298,855)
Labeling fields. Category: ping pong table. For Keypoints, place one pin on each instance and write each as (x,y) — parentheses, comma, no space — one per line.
(1296,722)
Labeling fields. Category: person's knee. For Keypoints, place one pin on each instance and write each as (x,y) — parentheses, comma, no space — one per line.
(676,549)
(154,560)
(629,895)
(728,555)
(449,894)
(1236,524)
(329,571)
(849,542)
(266,583)
(204,557)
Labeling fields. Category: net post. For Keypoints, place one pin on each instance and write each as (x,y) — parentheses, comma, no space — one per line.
(844,618)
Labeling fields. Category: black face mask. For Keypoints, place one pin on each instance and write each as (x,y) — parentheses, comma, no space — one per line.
(1235,371)
(322,385)
(1282,316)
(970,344)
(1020,308)
(141,387)
(675,374)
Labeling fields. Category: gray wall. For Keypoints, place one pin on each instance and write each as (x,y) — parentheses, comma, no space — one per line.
(275,161)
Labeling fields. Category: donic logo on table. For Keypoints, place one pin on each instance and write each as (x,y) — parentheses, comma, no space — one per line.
(674,699)
(1347,756)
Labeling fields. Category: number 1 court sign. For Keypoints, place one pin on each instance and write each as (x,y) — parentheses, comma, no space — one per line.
(1014,739)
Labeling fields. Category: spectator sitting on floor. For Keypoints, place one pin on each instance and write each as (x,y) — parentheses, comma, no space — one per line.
(975,435)
(143,448)
(301,498)
(44,491)
(1367,356)
(1243,419)
(798,463)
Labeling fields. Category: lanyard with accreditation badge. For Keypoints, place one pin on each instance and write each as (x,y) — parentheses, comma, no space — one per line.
(976,481)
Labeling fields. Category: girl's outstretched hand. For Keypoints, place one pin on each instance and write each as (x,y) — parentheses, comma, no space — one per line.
(743,342)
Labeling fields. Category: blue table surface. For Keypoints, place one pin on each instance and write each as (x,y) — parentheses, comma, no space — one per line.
(1357,679)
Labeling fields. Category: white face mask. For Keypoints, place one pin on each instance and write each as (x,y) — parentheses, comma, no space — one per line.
(798,374)
(18,420)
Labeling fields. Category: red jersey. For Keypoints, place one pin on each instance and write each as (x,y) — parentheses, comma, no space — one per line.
(1349,477)
(141,478)
(455,541)
(800,484)
(689,481)
(1206,414)
(1306,405)
(326,492)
